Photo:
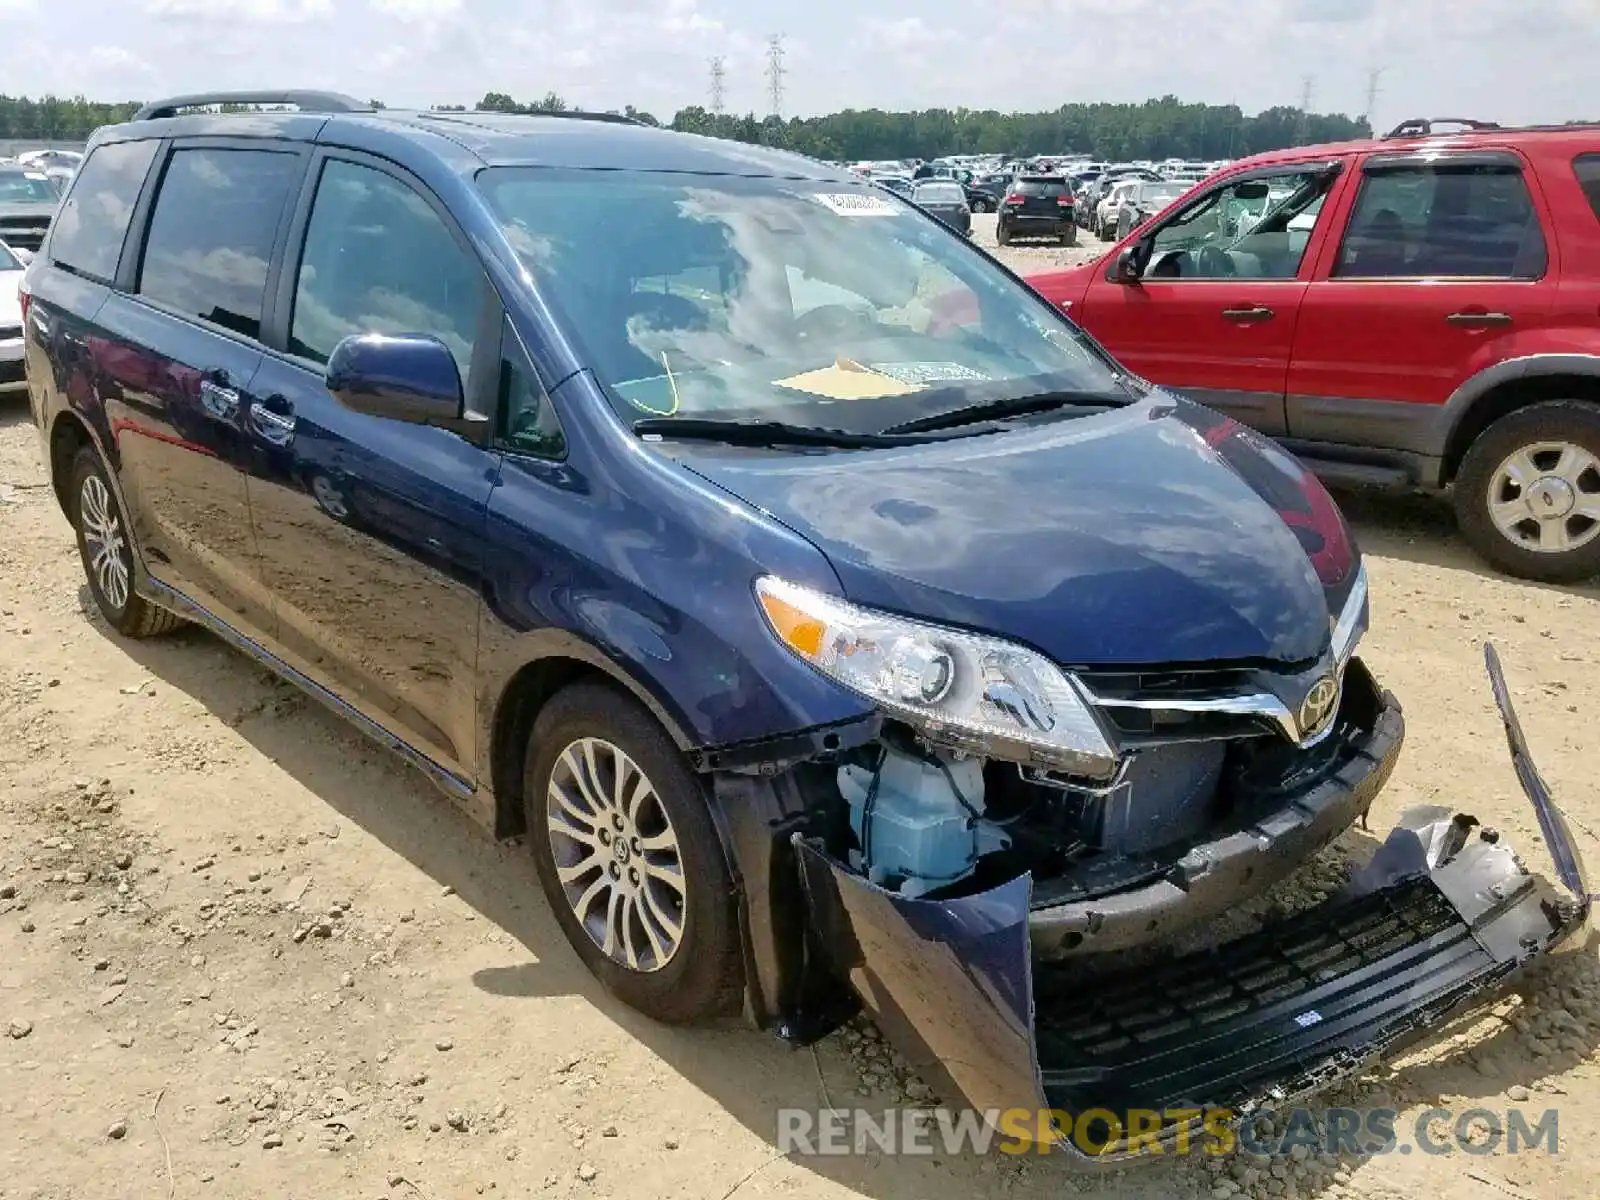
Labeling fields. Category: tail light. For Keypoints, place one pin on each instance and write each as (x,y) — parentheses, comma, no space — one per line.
(1014,198)
(24,299)
(1064,201)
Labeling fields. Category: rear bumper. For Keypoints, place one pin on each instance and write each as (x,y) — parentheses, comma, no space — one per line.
(1039,224)
(1441,920)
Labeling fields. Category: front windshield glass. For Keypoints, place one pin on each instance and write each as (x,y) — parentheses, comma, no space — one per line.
(8,260)
(25,187)
(790,300)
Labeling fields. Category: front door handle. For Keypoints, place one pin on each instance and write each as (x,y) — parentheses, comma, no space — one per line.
(1473,319)
(221,401)
(275,428)
(1256,313)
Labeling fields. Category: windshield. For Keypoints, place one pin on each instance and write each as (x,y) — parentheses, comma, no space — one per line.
(940,193)
(24,187)
(789,300)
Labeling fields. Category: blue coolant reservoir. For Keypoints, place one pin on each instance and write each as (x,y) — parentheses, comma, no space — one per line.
(919,821)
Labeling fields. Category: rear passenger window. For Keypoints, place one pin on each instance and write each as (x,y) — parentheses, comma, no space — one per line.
(378,259)
(1443,221)
(210,241)
(1587,167)
(89,229)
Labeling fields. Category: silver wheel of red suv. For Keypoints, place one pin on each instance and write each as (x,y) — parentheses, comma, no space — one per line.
(1528,493)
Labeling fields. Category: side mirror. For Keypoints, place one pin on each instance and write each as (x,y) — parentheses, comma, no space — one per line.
(404,377)
(1129,265)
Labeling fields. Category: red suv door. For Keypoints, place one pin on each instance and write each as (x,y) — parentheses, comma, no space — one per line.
(1213,312)
(1445,261)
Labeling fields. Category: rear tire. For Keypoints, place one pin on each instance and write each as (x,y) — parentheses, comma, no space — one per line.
(105,544)
(621,833)
(1002,235)
(1554,449)
(1070,237)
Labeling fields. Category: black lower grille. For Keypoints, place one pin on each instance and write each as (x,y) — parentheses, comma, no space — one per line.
(1205,1029)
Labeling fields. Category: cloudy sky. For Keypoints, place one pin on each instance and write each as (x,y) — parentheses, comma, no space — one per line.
(1508,60)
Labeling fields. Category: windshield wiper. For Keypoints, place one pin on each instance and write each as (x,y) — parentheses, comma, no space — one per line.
(767,433)
(1014,406)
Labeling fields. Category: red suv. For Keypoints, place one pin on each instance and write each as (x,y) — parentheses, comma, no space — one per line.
(1418,310)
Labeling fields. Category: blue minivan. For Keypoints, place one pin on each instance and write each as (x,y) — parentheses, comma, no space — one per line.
(837,623)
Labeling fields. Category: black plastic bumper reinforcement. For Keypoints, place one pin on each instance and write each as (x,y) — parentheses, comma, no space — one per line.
(1439,922)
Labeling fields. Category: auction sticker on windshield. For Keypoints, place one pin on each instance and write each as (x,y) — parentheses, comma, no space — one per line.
(856,204)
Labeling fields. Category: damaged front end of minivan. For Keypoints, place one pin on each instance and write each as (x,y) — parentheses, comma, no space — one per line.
(994,915)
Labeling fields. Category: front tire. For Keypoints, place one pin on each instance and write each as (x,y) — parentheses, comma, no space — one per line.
(105,544)
(1527,497)
(629,858)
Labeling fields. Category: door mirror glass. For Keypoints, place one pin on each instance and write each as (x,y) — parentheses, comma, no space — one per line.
(405,377)
(1129,267)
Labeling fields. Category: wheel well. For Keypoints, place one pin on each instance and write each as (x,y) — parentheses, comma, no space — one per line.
(1506,399)
(67,437)
(529,690)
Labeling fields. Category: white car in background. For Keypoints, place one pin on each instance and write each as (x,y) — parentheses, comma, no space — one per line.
(11,377)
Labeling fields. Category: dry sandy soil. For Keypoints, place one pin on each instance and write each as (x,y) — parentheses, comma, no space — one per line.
(245,953)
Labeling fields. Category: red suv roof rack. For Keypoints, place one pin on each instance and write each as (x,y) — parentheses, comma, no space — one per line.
(1427,127)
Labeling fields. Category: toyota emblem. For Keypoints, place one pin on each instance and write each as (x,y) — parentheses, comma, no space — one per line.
(1317,709)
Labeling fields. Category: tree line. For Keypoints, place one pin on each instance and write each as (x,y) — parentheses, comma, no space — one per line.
(1156,129)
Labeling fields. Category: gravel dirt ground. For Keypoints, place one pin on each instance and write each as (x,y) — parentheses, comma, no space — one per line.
(245,953)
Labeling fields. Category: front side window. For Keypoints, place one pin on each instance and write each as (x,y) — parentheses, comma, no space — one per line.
(378,259)
(88,231)
(8,260)
(1256,228)
(1443,220)
(211,235)
(811,303)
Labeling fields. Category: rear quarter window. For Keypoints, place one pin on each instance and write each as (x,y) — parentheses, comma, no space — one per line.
(1587,168)
(88,231)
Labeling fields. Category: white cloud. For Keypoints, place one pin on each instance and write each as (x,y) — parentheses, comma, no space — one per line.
(266,12)
(412,11)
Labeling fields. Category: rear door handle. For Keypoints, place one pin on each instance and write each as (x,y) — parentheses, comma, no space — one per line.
(220,401)
(1257,313)
(1479,318)
(274,428)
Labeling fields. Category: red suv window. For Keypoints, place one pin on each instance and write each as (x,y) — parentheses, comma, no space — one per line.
(1443,220)
(1587,168)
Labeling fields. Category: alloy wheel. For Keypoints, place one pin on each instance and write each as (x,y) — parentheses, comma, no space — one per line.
(616,854)
(109,559)
(1545,497)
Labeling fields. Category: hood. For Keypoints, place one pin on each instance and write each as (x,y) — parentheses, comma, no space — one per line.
(1066,287)
(1162,533)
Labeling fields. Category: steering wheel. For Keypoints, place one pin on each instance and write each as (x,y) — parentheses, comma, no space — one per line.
(1213,263)
(828,320)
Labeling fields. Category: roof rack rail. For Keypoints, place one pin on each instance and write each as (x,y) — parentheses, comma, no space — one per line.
(325,102)
(571,114)
(1426,127)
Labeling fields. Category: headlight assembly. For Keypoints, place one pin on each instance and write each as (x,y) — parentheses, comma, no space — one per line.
(963,690)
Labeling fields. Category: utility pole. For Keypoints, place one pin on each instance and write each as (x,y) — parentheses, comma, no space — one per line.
(1372,94)
(1307,85)
(718,84)
(775,73)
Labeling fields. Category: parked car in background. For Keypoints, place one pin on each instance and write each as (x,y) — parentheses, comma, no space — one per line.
(1107,207)
(1144,201)
(12,379)
(28,201)
(985,192)
(1415,310)
(1037,206)
(945,199)
(822,653)
(900,185)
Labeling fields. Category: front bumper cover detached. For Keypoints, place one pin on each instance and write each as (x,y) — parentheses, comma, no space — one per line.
(1437,923)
